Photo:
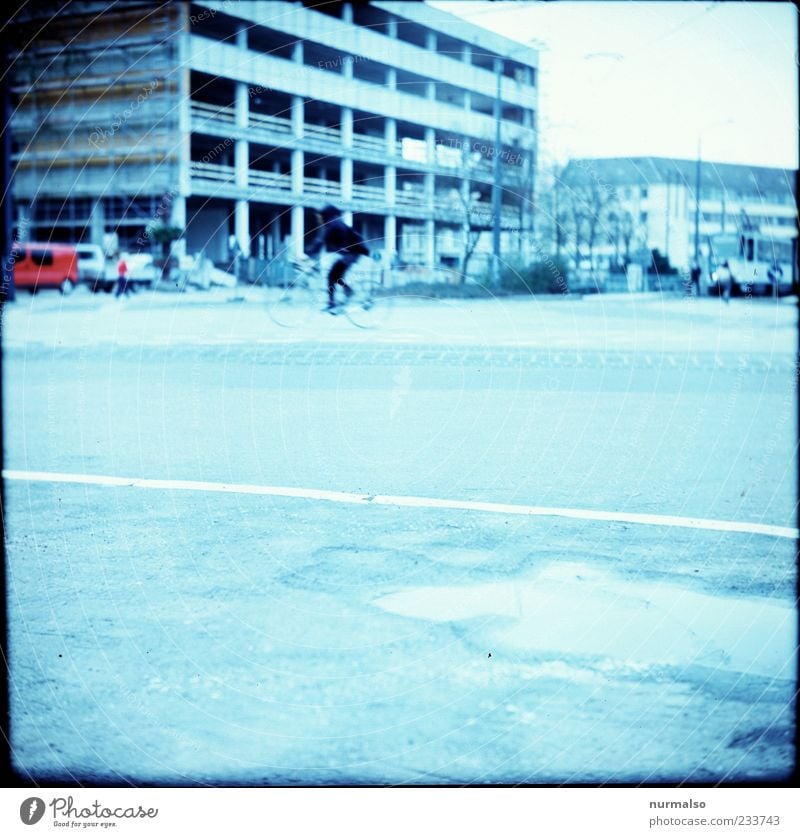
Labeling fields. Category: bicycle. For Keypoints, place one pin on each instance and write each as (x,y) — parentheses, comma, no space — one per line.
(303,292)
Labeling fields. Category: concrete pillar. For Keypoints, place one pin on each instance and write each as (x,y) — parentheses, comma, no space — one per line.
(241,38)
(430,243)
(430,90)
(347,12)
(346,162)
(183,142)
(297,116)
(346,174)
(390,185)
(298,171)
(430,145)
(467,100)
(297,52)
(242,106)
(97,221)
(430,41)
(274,239)
(390,132)
(241,162)
(391,79)
(389,239)
(466,53)
(391,27)
(298,232)
(177,214)
(347,66)
(347,127)
(242,226)
(298,180)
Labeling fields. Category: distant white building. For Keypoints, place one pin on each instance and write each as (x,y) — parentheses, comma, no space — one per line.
(239,119)
(656,197)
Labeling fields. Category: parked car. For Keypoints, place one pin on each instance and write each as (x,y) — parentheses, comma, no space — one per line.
(48,265)
(92,267)
(141,269)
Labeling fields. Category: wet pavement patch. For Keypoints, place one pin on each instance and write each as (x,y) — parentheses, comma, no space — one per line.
(577,610)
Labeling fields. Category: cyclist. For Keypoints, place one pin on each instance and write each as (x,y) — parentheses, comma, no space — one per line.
(336,237)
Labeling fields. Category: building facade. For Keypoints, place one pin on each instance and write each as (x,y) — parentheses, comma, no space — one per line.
(650,203)
(239,119)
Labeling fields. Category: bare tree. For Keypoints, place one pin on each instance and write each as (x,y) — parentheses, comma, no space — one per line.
(591,204)
(626,233)
(473,224)
(613,236)
(553,218)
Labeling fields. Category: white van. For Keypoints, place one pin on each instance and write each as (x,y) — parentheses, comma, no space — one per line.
(92,266)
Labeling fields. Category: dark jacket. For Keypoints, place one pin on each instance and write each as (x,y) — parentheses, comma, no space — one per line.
(337,237)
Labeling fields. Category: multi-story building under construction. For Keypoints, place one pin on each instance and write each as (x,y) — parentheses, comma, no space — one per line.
(238,119)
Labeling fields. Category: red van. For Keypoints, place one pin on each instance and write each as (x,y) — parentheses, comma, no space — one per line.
(45,266)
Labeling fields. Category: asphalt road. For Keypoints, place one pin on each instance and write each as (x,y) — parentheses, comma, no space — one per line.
(170,636)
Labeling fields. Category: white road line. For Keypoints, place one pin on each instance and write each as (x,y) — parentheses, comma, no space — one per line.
(415,502)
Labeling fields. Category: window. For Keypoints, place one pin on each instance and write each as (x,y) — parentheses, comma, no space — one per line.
(42,258)
(642,217)
(644,191)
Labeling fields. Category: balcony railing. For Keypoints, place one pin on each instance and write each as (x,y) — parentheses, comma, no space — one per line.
(264,123)
(210,171)
(369,143)
(273,124)
(318,186)
(225,176)
(270,180)
(369,193)
(217,113)
(414,198)
(321,133)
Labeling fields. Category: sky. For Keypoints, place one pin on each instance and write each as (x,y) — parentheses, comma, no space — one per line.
(650,78)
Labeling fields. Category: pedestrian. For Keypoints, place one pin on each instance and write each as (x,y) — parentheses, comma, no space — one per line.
(123,287)
(337,237)
(775,276)
(695,278)
(725,280)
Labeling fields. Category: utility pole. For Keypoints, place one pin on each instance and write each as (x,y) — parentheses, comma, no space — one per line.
(7,291)
(697,206)
(496,198)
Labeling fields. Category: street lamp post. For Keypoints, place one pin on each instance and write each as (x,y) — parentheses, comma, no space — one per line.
(698,184)
(697,204)
(496,198)
(497,205)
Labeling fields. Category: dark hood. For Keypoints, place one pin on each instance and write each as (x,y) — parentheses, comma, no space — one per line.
(330,213)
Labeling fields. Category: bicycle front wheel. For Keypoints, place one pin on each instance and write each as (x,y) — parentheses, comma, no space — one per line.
(370,306)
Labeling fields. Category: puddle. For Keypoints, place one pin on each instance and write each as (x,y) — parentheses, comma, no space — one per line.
(574,609)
